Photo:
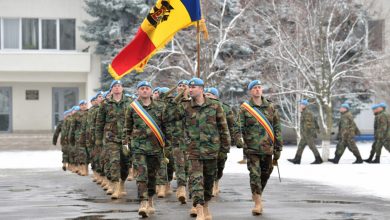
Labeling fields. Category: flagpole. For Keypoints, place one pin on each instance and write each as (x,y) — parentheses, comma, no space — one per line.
(198,47)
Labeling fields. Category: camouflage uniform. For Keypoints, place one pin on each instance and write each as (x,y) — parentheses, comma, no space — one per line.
(381,133)
(145,147)
(94,151)
(253,138)
(347,131)
(60,129)
(110,122)
(309,131)
(77,137)
(71,145)
(208,132)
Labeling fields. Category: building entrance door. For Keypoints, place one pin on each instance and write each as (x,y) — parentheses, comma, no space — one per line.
(63,99)
(5,109)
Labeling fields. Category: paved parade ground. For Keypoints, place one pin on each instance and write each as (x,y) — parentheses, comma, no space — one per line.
(54,194)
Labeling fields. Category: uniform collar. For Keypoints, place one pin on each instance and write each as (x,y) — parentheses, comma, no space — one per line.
(207,102)
(264,102)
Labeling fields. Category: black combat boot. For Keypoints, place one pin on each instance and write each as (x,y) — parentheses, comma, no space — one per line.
(296,160)
(369,159)
(335,160)
(377,160)
(358,160)
(318,160)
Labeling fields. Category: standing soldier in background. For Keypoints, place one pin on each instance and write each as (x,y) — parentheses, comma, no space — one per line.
(259,133)
(143,128)
(110,122)
(347,131)
(60,129)
(208,132)
(72,148)
(213,93)
(78,139)
(381,132)
(309,131)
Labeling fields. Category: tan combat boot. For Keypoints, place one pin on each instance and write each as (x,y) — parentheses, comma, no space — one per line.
(117,191)
(151,209)
(130,177)
(206,212)
(193,212)
(161,191)
(99,179)
(199,212)
(258,209)
(106,184)
(215,189)
(181,194)
(168,190)
(143,209)
(122,188)
(111,188)
(64,166)
(94,176)
(86,170)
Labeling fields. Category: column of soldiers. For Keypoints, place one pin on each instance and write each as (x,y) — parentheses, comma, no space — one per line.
(185,130)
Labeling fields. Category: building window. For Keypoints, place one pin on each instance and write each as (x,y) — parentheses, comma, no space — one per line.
(11,33)
(67,34)
(375,35)
(49,34)
(30,34)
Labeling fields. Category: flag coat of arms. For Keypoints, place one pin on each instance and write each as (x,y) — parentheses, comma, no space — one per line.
(164,20)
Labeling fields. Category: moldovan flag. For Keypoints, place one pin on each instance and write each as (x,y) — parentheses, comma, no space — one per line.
(165,19)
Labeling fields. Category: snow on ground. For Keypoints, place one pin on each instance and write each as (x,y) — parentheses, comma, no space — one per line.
(364,179)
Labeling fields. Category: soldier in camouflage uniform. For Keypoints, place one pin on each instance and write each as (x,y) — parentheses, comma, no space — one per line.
(213,93)
(208,132)
(71,147)
(257,143)
(77,137)
(347,132)
(60,129)
(309,131)
(110,122)
(145,146)
(381,132)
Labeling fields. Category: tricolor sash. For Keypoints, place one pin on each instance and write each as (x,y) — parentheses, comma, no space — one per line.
(144,115)
(260,117)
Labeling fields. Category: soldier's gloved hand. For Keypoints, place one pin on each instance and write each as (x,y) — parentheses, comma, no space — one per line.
(222,155)
(240,143)
(125,150)
(276,154)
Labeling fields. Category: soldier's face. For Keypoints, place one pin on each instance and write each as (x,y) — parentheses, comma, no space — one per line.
(342,109)
(99,99)
(256,91)
(181,87)
(209,95)
(83,107)
(144,92)
(117,89)
(156,95)
(196,91)
(302,107)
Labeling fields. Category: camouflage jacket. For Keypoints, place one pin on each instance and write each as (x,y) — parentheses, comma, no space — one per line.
(347,127)
(76,132)
(57,132)
(65,129)
(89,126)
(229,118)
(256,140)
(206,128)
(110,121)
(143,140)
(309,125)
(381,126)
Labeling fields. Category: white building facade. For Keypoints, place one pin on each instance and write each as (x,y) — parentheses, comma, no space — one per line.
(45,66)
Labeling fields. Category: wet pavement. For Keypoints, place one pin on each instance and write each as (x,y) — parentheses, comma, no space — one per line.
(54,194)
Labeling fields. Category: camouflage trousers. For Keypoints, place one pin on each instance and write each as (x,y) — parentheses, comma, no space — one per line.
(146,168)
(165,172)
(65,153)
(378,145)
(72,154)
(260,169)
(222,157)
(82,154)
(104,161)
(310,141)
(118,165)
(181,166)
(347,143)
(95,158)
(201,181)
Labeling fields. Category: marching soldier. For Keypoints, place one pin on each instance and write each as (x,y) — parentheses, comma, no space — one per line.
(258,132)
(144,129)
(60,129)
(208,132)
(213,93)
(347,131)
(75,168)
(309,131)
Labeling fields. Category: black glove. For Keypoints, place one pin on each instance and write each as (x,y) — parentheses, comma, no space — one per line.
(276,155)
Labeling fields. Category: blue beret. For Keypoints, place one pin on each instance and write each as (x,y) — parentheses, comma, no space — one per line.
(345,105)
(383,105)
(114,82)
(92,98)
(304,102)
(253,84)
(66,112)
(99,93)
(213,91)
(156,89)
(75,108)
(183,81)
(144,83)
(105,94)
(163,89)
(195,82)
(83,102)
(375,106)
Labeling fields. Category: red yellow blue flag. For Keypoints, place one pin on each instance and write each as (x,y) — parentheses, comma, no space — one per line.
(165,19)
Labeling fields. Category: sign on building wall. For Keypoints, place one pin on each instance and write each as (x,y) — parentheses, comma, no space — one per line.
(32,94)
